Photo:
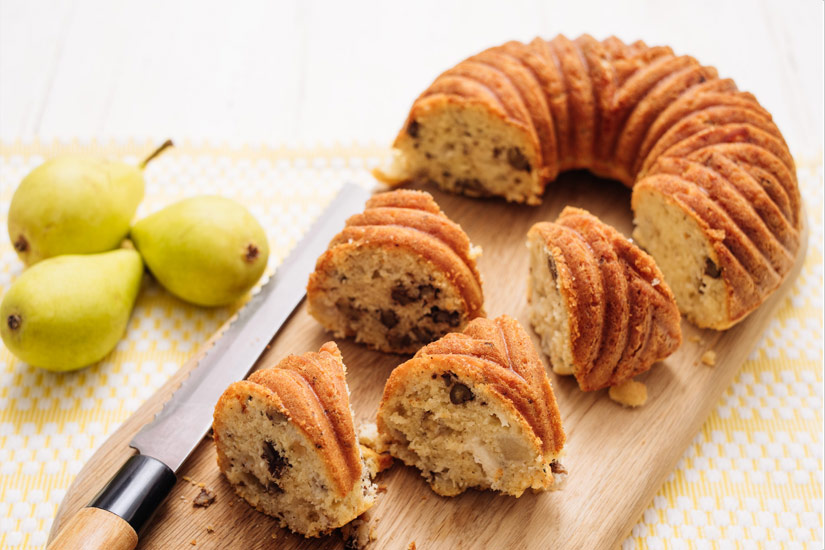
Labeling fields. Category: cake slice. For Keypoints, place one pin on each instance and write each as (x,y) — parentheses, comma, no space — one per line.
(399,275)
(475,409)
(286,442)
(599,303)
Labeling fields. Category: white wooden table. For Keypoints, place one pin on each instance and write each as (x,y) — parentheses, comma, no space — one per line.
(306,73)
(290,71)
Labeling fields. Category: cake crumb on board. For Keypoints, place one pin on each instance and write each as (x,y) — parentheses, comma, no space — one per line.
(629,393)
(204,499)
(709,358)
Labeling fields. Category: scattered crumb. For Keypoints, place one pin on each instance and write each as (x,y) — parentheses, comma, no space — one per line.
(411,546)
(559,475)
(709,358)
(557,467)
(187,479)
(201,485)
(210,528)
(274,536)
(695,338)
(358,533)
(193,542)
(204,499)
(368,435)
(183,498)
(374,462)
(629,394)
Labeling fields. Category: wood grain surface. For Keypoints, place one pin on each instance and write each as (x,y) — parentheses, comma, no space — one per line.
(617,458)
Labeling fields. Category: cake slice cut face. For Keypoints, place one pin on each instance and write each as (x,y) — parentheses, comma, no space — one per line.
(475,409)
(599,303)
(399,275)
(286,442)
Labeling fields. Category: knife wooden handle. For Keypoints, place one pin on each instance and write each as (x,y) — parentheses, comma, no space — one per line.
(114,517)
(95,529)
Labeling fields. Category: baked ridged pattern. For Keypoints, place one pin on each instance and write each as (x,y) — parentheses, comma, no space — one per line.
(311,391)
(645,116)
(510,364)
(414,219)
(622,315)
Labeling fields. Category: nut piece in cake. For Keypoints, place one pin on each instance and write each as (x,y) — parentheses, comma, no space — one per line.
(599,303)
(475,409)
(399,275)
(286,443)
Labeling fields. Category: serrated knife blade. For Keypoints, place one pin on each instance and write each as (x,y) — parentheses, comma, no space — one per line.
(146,479)
(187,416)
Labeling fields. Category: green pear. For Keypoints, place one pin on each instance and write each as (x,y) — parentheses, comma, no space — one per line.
(205,250)
(74,204)
(70,311)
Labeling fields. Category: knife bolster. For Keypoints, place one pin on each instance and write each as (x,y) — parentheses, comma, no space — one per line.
(136,490)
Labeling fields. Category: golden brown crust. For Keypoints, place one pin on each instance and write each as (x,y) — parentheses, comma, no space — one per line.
(622,110)
(741,290)
(581,103)
(616,326)
(500,354)
(414,221)
(580,282)
(624,318)
(310,390)
(525,82)
(408,221)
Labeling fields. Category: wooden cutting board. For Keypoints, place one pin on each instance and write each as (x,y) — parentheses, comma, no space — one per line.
(617,458)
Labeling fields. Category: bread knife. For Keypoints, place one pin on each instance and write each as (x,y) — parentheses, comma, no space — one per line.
(113,519)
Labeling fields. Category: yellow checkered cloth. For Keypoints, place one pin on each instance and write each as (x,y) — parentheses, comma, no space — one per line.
(752,478)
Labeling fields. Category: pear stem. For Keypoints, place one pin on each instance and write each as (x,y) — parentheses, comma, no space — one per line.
(164,146)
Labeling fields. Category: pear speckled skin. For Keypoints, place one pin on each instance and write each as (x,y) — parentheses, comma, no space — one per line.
(70,311)
(73,204)
(206,250)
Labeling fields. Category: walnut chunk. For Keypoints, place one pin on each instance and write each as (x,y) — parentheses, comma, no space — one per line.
(399,340)
(274,460)
(204,499)
(551,265)
(403,295)
(348,309)
(711,269)
(516,159)
(460,394)
(469,184)
(438,315)
(388,318)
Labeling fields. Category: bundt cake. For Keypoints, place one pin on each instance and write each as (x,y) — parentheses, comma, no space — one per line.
(600,305)
(475,409)
(399,275)
(715,196)
(286,442)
